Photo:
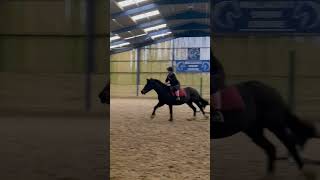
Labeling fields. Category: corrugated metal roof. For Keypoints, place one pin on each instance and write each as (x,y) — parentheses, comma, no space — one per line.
(184,18)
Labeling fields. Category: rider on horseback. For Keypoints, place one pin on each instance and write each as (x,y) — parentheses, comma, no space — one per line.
(173,82)
(217,76)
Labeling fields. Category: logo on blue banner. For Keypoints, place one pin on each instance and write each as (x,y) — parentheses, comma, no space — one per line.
(240,16)
(194,53)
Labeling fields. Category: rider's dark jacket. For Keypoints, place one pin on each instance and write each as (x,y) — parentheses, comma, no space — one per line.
(217,75)
(173,79)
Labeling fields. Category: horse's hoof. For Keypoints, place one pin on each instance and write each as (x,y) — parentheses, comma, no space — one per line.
(206,117)
(170,119)
(153,116)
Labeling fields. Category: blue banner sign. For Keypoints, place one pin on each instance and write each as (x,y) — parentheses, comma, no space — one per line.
(266,16)
(193,66)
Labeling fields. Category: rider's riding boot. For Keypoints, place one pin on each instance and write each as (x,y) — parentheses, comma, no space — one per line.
(218,116)
(177,94)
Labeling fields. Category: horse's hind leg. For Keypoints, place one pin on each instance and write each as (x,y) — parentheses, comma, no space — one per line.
(170,108)
(289,141)
(193,108)
(259,139)
(201,109)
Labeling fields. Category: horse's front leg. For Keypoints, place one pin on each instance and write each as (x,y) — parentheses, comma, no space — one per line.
(155,108)
(170,108)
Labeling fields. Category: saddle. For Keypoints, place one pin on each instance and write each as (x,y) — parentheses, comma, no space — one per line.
(182,93)
(230,99)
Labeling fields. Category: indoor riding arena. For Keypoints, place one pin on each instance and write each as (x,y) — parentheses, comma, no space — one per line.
(287,61)
(169,33)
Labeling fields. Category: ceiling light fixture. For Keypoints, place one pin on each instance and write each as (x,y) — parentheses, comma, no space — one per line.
(115,37)
(157,27)
(126,3)
(119,45)
(161,35)
(145,15)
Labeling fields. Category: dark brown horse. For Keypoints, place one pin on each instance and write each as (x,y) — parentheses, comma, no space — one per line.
(165,97)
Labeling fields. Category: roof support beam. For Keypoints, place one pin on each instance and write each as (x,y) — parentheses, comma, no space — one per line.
(139,45)
(191,26)
(140,26)
(193,33)
(190,14)
(159,32)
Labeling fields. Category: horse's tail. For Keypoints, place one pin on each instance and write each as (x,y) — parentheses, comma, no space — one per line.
(195,95)
(203,102)
(104,95)
(302,129)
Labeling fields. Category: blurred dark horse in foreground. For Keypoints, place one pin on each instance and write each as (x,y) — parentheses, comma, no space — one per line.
(264,109)
(104,95)
(251,107)
(165,96)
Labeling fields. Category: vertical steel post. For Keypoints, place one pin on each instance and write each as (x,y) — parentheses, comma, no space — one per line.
(90,29)
(173,51)
(201,85)
(138,70)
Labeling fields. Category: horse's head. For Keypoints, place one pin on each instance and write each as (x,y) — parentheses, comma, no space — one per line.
(151,83)
(104,95)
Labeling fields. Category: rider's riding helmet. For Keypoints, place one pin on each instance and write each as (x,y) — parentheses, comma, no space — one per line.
(170,69)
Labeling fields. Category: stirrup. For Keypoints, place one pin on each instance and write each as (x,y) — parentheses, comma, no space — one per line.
(178,98)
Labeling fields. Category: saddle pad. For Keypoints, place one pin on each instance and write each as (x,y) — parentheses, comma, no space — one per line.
(182,92)
(230,99)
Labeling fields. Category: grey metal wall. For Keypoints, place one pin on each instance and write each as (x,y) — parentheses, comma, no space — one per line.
(43,47)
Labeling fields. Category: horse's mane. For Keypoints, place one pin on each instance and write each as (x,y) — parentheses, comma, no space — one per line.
(158,81)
